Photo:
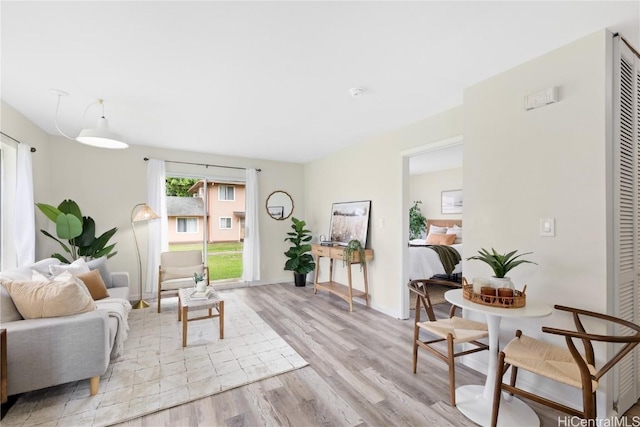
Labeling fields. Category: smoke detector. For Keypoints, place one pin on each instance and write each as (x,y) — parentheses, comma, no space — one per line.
(356,91)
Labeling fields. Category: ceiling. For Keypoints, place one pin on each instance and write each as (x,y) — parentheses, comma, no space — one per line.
(271,80)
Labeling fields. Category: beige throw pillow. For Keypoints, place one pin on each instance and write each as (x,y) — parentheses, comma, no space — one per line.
(93,281)
(440,239)
(169,273)
(53,299)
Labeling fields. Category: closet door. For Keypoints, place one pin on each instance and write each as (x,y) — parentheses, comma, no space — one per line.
(627,212)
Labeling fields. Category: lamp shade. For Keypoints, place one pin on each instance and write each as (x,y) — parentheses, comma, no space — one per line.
(143,213)
(101,136)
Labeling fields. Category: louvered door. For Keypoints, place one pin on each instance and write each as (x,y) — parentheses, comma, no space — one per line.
(627,213)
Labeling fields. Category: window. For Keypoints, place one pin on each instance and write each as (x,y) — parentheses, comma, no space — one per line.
(187,225)
(225,223)
(226,192)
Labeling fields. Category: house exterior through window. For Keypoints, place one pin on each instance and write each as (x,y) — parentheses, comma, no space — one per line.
(225,223)
(187,225)
(226,192)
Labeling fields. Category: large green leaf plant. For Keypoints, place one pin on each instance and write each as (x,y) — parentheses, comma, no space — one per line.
(78,231)
(300,260)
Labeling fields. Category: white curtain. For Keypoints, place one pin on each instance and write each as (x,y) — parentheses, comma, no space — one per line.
(24,223)
(251,252)
(158,241)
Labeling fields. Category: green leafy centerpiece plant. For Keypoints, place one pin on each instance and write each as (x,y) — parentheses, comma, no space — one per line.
(300,261)
(501,264)
(201,285)
(79,232)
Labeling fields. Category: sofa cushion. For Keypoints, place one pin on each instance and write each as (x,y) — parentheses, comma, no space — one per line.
(93,281)
(122,292)
(169,273)
(49,299)
(78,266)
(100,264)
(8,310)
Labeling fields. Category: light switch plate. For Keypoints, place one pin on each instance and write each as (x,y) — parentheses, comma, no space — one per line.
(547,227)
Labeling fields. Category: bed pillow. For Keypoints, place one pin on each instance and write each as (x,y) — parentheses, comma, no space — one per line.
(36,300)
(94,283)
(436,229)
(440,239)
(457,231)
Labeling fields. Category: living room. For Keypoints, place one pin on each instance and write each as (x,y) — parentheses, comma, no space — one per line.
(549,162)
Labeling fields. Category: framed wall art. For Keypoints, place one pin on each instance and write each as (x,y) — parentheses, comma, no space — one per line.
(350,220)
(452,202)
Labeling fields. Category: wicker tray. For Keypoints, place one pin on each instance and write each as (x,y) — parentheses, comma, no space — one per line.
(518,300)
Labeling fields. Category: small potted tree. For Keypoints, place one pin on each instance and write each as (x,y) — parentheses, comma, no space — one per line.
(300,260)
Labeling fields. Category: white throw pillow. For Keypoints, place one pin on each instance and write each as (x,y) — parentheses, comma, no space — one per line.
(436,229)
(78,266)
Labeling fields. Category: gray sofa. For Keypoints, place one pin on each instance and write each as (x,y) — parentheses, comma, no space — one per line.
(50,351)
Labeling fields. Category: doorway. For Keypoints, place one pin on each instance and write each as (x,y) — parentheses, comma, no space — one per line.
(427,171)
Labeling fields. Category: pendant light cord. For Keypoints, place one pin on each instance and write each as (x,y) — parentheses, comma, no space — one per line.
(55,120)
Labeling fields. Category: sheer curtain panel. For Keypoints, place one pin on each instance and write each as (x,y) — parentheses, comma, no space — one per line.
(251,252)
(24,225)
(158,241)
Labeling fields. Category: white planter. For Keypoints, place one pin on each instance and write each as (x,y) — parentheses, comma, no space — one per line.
(201,286)
(501,282)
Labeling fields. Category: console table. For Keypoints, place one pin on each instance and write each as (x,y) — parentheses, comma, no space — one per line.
(345,292)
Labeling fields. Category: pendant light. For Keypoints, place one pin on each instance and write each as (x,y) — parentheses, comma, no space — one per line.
(100,136)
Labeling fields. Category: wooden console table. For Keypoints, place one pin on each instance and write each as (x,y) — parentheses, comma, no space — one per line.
(345,292)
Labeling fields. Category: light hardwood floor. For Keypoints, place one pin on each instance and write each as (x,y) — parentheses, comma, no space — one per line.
(359,373)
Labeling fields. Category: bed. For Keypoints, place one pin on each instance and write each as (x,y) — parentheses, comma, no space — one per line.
(424,263)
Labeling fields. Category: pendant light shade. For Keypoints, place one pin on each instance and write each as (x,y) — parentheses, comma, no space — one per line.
(100,136)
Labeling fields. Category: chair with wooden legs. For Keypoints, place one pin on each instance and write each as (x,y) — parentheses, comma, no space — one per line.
(176,271)
(453,330)
(565,365)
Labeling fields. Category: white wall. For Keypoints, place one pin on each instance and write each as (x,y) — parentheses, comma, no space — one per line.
(428,188)
(108,183)
(521,166)
(374,171)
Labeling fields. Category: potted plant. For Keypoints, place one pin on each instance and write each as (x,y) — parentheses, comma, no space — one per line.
(79,231)
(501,264)
(300,260)
(417,221)
(354,246)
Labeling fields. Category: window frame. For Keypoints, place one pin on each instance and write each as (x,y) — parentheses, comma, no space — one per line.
(178,218)
(220,227)
(226,187)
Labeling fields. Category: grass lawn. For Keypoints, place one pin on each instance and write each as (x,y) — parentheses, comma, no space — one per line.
(227,265)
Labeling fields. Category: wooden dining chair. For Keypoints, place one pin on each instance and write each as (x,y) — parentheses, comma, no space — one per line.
(565,365)
(454,330)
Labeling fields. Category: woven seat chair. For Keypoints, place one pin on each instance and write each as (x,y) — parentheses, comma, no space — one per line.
(176,271)
(565,365)
(453,330)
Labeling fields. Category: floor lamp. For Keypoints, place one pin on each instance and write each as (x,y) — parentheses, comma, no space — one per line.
(141,212)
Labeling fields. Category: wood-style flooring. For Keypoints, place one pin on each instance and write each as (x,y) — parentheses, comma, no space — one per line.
(359,372)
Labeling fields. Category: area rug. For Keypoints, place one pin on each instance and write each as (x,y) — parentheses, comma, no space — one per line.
(156,372)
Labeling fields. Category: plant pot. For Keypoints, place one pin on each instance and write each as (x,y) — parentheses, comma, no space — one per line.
(501,282)
(300,279)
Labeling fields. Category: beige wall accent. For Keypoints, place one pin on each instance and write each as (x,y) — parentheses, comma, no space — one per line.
(551,162)
(373,171)
(428,188)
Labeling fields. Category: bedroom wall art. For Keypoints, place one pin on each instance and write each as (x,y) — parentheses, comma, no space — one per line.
(452,202)
(350,220)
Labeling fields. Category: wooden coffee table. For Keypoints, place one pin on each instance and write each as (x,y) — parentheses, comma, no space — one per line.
(186,303)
